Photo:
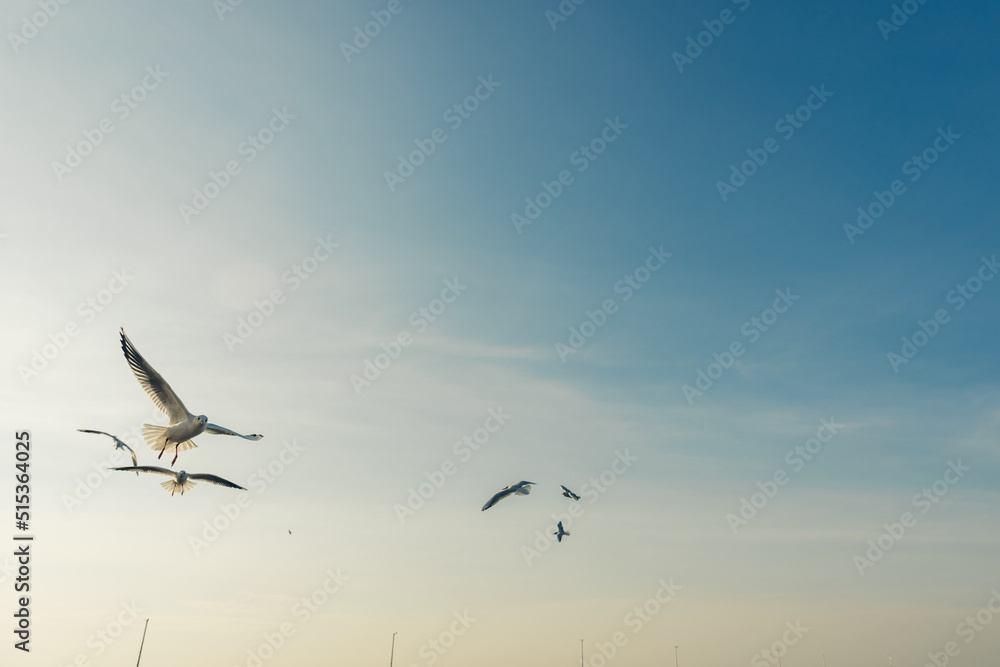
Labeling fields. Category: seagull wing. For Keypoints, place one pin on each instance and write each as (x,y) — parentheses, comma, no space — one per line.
(87,430)
(213,479)
(500,495)
(221,430)
(155,469)
(135,462)
(523,488)
(153,384)
(118,442)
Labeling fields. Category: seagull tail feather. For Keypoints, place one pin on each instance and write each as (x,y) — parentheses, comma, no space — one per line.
(186,445)
(155,436)
(174,488)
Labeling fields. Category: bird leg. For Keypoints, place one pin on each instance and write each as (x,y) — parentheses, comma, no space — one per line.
(176,452)
(161,452)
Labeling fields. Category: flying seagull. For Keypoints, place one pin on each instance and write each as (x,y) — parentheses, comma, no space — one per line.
(569,494)
(182,481)
(183,425)
(521,489)
(118,443)
(560,533)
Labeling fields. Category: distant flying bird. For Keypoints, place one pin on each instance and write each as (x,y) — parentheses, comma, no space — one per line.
(559,534)
(118,443)
(521,489)
(182,481)
(183,425)
(569,494)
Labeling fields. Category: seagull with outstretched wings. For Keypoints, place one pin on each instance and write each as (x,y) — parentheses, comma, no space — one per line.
(182,481)
(118,443)
(183,425)
(569,494)
(560,533)
(520,489)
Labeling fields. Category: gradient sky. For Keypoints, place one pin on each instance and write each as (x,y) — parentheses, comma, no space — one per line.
(110,542)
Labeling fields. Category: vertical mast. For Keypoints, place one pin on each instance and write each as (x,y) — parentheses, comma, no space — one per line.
(144,628)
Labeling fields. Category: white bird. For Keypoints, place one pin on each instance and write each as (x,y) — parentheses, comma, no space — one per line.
(183,425)
(559,534)
(118,443)
(569,494)
(521,489)
(182,481)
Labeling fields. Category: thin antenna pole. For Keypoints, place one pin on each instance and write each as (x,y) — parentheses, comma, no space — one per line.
(676,663)
(392,651)
(141,644)
(581,653)
(824,660)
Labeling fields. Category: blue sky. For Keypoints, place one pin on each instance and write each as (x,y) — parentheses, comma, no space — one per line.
(305,232)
